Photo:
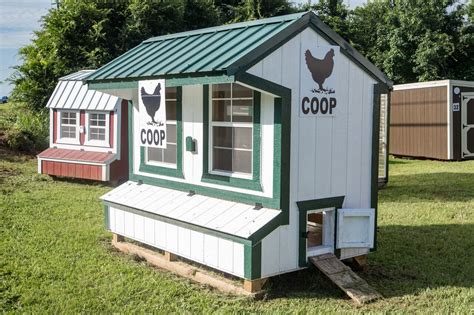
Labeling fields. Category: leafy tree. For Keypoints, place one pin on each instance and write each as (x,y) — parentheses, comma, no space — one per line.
(334,13)
(415,40)
(257,9)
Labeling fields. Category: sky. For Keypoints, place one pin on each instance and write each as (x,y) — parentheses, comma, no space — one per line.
(18,20)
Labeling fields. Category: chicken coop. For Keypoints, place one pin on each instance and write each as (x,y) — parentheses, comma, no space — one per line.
(88,133)
(253,146)
(433,120)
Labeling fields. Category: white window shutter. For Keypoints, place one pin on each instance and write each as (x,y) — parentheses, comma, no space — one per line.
(355,228)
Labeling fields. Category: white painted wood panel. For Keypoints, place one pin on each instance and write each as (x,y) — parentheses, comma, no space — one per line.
(222,254)
(329,156)
(271,254)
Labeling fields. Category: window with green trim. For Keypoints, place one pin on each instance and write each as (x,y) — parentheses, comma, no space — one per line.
(231,127)
(166,157)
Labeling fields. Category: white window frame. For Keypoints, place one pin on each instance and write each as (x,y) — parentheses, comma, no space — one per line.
(162,163)
(233,125)
(97,143)
(60,139)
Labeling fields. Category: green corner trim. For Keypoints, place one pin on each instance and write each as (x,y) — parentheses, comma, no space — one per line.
(282,138)
(167,171)
(106,217)
(252,184)
(303,208)
(130,139)
(252,261)
(378,90)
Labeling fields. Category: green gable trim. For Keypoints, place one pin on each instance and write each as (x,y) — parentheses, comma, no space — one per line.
(312,21)
(303,208)
(207,177)
(252,261)
(166,171)
(179,223)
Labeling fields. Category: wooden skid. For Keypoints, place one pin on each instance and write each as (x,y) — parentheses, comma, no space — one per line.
(347,280)
(181,268)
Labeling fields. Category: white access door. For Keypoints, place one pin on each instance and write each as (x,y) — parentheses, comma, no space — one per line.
(467,118)
(355,228)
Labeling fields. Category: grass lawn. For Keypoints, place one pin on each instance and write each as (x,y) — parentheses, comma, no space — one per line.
(56,257)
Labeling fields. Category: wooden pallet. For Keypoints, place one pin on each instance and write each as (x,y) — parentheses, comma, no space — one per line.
(347,280)
(170,262)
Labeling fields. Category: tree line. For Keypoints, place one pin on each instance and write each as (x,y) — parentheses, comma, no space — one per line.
(410,40)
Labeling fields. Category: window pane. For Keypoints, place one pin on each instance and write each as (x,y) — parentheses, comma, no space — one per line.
(170,133)
(241,91)
(242,161)
(243,138)
(221,90)
(170,153)
(242,110)
(222,137)
(171,93)
(155,154)
(221,110)
(68,132)
(170,110)
(222,160)
(97,134)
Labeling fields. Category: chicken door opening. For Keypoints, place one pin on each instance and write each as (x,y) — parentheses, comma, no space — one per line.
(320,232)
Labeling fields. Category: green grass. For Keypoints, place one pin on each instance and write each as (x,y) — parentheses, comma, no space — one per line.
(56,257)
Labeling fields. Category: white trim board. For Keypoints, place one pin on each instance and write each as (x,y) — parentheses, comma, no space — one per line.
(420,85)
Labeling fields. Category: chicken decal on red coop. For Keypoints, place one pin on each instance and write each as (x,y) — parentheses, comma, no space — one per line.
(152,108)
(318,69)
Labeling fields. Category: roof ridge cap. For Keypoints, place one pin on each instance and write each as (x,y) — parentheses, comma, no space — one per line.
(224,27)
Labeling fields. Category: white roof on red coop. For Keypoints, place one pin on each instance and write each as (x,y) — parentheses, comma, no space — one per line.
(71,93)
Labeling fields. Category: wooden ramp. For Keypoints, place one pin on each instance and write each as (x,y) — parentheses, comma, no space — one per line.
(354,286)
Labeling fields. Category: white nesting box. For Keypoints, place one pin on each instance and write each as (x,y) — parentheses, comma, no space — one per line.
(272,145)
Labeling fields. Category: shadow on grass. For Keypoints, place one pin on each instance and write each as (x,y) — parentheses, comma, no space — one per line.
(442,186)
(409,259)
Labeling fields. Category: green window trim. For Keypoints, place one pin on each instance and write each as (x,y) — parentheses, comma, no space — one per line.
(207,177)
(169,171)
(315,204)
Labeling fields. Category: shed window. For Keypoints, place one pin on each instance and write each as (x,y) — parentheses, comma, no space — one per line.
(231,129)
(97,127)
(68,126)
(167,157)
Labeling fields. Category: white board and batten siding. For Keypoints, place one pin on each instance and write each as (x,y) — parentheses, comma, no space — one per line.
(205,213)
(222,254)
(330,156)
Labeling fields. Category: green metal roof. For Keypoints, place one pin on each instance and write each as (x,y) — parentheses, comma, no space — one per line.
(222,50)
(205,50)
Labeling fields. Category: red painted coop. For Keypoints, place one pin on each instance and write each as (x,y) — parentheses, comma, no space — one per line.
(88,133)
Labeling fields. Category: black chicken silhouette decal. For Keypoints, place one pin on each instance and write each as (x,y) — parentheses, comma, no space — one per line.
(320,69)
(152,102)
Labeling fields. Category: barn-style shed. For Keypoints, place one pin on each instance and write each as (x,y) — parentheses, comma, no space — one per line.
(272,133)
(88,132)
(433,120)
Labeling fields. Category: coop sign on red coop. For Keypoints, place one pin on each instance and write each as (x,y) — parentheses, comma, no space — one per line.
(319,80)
(152,112)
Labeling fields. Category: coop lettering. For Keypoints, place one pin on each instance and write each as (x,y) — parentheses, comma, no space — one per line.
(318,106)
(152,137)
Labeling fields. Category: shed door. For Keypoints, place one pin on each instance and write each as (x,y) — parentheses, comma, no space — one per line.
(467,124)
(355,228)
